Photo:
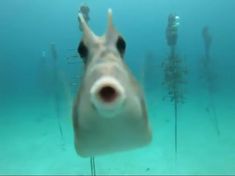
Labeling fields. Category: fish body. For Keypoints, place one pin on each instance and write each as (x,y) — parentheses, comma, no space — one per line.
(109,112)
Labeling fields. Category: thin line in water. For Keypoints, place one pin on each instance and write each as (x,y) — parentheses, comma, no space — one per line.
(92,164)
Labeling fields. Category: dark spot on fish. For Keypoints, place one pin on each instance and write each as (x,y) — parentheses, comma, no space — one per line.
(82,50)
(121,45)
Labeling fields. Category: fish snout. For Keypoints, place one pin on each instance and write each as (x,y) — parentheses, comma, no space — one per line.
(107,95)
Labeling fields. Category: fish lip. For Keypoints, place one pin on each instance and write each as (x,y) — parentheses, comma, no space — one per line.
(107,108)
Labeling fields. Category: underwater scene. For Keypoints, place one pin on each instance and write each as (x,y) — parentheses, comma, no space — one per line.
(117,87)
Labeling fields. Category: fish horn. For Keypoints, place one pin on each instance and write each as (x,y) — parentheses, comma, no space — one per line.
(111,32)
(110,20)
(88,33)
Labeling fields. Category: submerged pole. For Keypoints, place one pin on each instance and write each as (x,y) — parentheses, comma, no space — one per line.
(217,128)
(55,90)
(172,52)
(92,164)
(207,44)
(207,41)
(176,126)
(172,36)
(175,105)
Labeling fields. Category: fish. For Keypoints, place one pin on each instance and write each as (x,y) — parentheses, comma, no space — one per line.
(109,111)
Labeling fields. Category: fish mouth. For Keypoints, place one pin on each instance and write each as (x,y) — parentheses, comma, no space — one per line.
(107,95)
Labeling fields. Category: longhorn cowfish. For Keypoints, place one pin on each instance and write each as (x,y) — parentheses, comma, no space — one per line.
(109,112)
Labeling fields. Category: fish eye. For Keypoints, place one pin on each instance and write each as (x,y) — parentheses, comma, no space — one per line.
(82,50)
(121,45)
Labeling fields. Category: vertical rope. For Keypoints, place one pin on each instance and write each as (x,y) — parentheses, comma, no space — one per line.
(214,113)
(56,91)
(92,164)
(175,103)
(176,126)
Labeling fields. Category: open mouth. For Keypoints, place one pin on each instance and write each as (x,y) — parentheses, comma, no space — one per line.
(108,94)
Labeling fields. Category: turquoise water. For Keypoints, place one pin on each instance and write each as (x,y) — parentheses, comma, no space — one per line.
(35,109)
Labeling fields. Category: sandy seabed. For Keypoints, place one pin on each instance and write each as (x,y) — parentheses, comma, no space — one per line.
(31,142)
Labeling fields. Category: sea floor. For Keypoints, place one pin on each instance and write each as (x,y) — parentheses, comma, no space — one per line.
(31,141)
